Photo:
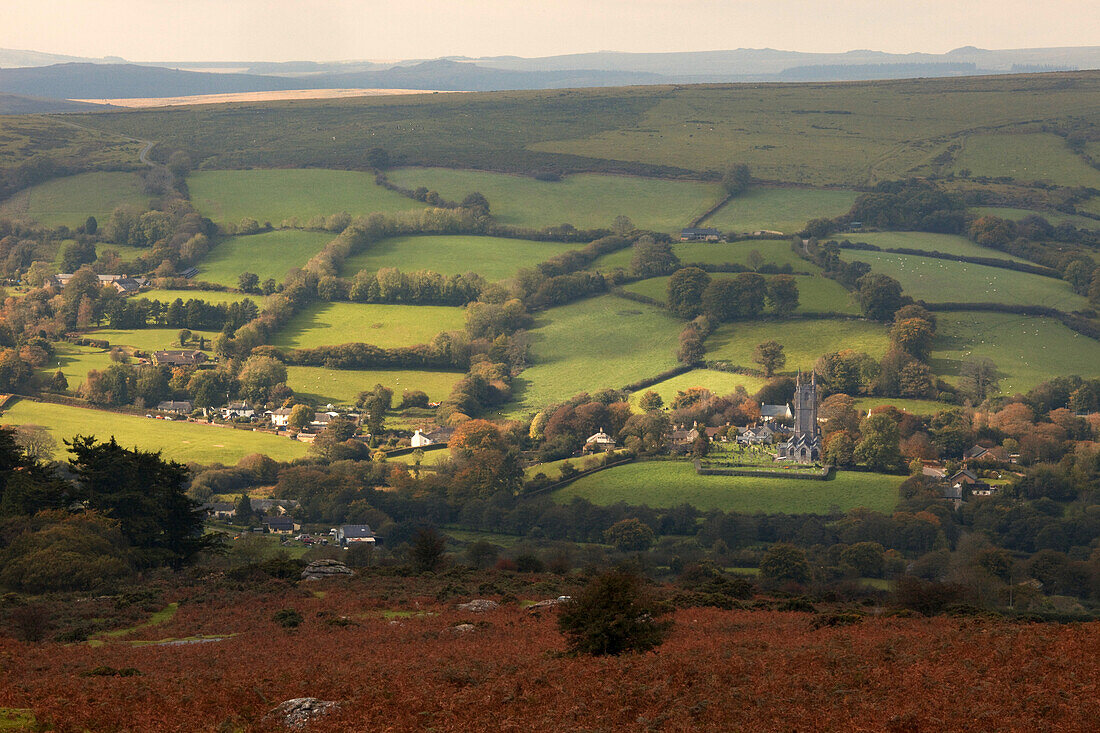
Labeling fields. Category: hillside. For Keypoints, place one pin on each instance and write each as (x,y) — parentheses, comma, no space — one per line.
(431,664)
(840,134)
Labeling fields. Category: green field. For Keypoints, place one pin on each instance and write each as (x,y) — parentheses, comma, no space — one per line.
(150,339)
(1026,158)
(669,483)
(278,195)
(215,297)
(322,324)
(586,201)
(772,251)
(720,383)
(594,344)
(552,469)
(1054,217)
(72,199)
(944,281)
(951,244)
(780,209)
(179,440)
(1026,349)
(270,254)
(494,258)
(816,294)
(803,341)
(342,386)
(917,407)
(75,362)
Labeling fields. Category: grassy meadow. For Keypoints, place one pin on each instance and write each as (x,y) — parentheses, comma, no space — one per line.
(342,386)
(1039,156)
(214,297)
(803,341)
(71,200)
(1026,349)
(951,244)
(178,440)
(321,324)
(780,209)
(150,339)
(670,483)
(1054,217)
(494,258)
(278,195)
(816,294)
(944,281)
(271,254)
(772,251)
(720,383)
(586,201)
(594,344)
(917,407)
(75,362)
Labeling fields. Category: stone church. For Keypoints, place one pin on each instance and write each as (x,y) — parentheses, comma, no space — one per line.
(804,446)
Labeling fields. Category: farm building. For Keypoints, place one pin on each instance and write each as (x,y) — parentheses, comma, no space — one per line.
(177,407)
(179,357)
(122,283)
(692,234)
(350,534)
(280,524)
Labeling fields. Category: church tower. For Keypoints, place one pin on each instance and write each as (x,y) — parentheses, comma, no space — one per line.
(805,406)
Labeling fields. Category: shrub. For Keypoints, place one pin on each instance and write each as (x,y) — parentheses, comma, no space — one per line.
(613,614)
(288,618)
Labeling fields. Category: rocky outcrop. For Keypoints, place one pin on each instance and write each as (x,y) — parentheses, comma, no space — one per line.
(298,712)
(321,569)
(478,605)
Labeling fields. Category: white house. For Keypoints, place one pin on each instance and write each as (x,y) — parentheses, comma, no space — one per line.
(237,409)
(600,441)
(280,418)
(432,437)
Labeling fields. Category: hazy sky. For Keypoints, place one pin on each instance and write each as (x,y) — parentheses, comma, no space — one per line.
(323,30)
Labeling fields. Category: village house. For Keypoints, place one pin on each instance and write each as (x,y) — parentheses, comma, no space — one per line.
(353,534)
(220,510)
(755,435)
(180,407)
(280,418)
(692,234)
(683,438)
(599,442)
(769,413)
(720,433)
(122,283)
(179,357)
(432,437)
(280,524)
(272,506)
(237,409)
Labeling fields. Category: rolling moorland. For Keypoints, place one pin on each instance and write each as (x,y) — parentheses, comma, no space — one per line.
(508,265)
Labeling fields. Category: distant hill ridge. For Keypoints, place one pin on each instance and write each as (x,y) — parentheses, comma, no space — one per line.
(100,79)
